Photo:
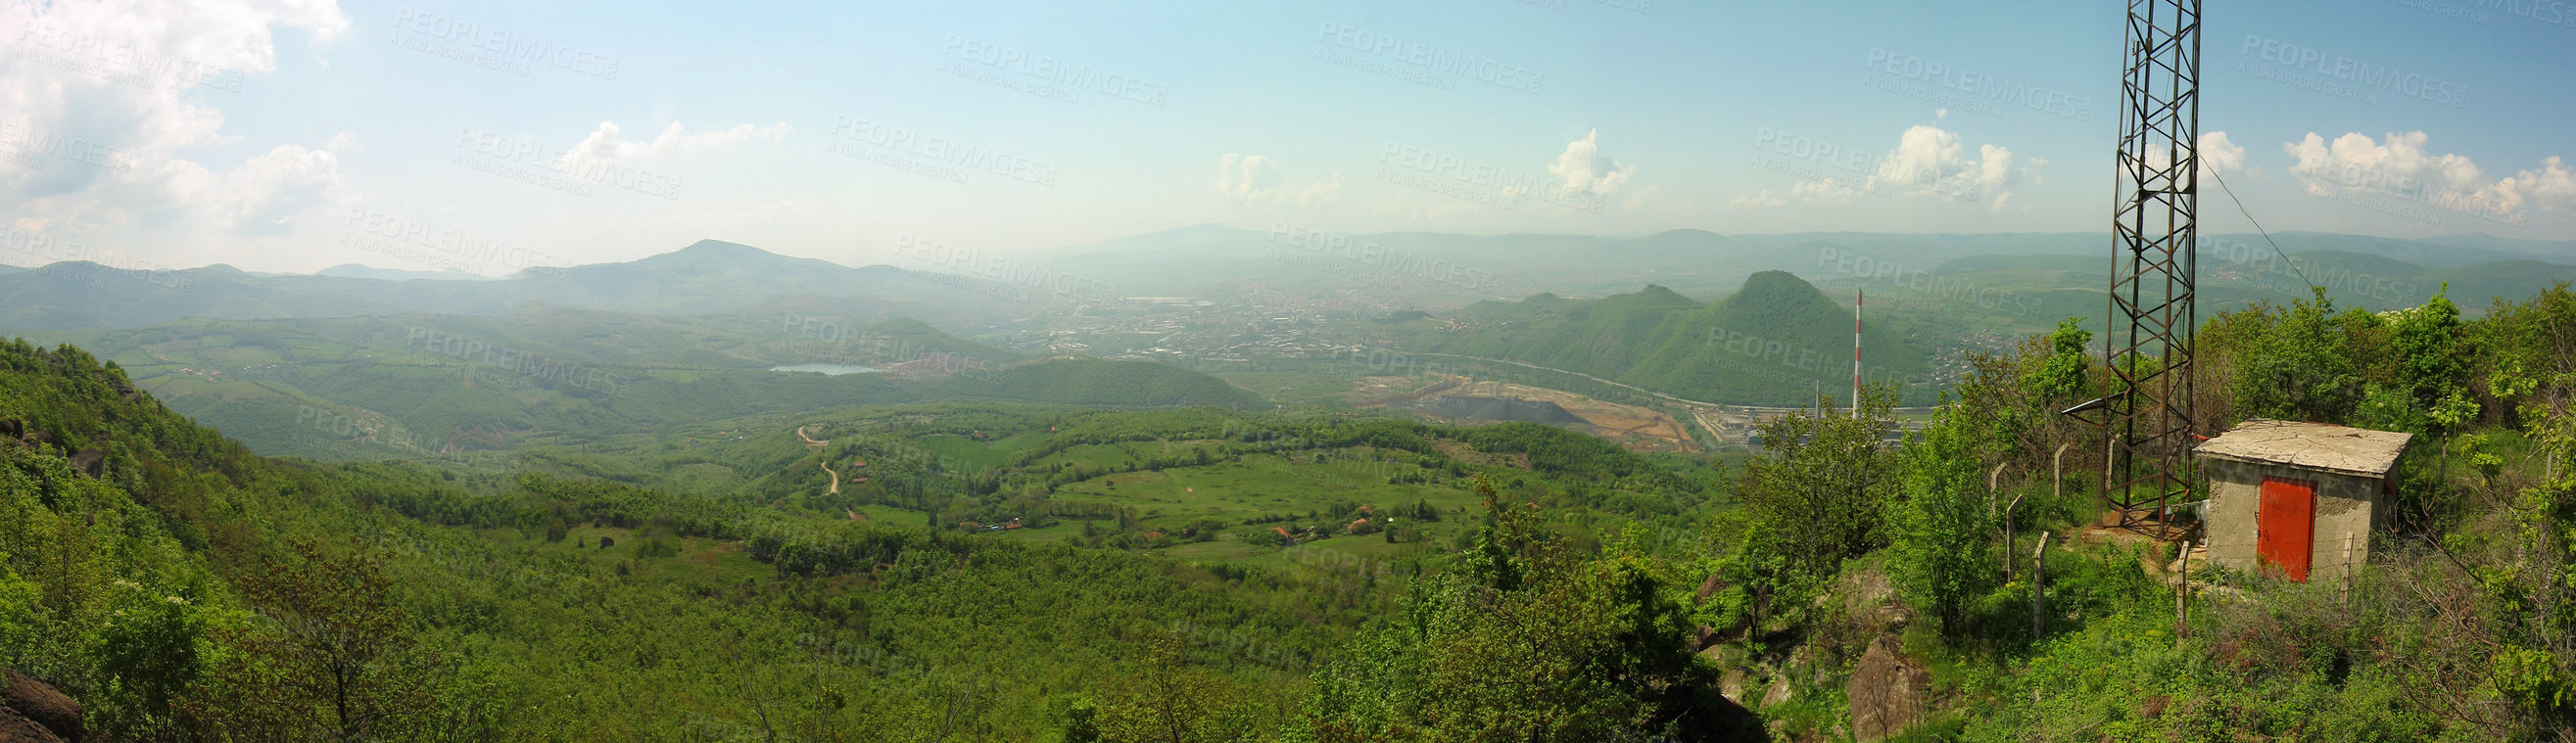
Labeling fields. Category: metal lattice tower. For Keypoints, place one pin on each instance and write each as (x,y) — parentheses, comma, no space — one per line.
(2148,409)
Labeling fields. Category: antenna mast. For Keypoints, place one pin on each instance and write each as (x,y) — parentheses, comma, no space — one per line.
(2147,412)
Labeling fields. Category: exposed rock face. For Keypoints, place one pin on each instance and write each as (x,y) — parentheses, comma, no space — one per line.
(33,700)
(16,728)
(1888,691)
(90,461)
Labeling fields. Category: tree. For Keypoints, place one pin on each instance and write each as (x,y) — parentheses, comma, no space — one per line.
(341,658)
(1943,525)
(1526,640)
(1818,491)
(2301,367)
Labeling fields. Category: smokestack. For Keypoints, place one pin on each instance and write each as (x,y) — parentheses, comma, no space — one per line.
(1857,296)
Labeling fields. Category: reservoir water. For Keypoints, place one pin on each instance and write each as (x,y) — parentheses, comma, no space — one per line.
(833,369)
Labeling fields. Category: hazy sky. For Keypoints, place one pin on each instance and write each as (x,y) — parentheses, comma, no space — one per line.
(302,134)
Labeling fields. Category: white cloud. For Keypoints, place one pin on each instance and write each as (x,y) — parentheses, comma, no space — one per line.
(1638,200)
(1929,160)
(605,146)
(2217,155)
(1246,176)
(1822,191)
(1761,200)
(2399,166)
(1582,168)
(2553,186)
(1826,191)
(103,96)
(1320,194)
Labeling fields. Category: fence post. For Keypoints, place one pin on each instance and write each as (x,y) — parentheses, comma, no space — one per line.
(1991,497)
(2039,588)
(2057,472)
(2182,593)
(2343,594)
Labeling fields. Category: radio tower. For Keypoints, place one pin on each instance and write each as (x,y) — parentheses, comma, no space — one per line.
(2147,410)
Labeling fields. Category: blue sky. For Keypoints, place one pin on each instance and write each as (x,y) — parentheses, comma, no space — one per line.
(294,136)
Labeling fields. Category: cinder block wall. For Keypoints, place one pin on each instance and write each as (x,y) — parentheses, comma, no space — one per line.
(2345,504)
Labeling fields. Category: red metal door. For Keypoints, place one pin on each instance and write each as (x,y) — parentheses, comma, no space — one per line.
(2286,526)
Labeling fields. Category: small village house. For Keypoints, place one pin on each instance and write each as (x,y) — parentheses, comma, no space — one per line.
(2294,499)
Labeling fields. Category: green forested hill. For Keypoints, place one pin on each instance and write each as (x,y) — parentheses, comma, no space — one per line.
(191,590)
(413,385)
(1769,343)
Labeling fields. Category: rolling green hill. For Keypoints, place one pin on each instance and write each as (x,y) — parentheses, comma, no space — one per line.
(1770,343)
(462,386)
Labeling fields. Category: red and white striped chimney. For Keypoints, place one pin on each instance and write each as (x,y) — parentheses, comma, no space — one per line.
(1857,297)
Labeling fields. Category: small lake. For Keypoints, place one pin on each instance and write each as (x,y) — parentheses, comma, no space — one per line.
(833,369)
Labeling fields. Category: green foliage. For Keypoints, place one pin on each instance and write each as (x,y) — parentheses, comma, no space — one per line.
(1818,493)
(1765,344)
(1526,641)
(2064,372)
(1943,524)
(2302,368)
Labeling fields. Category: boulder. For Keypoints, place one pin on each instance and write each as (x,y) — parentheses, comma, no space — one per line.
(1778,693)
(1888,691)
(90,461)
(16,728)
(40,703)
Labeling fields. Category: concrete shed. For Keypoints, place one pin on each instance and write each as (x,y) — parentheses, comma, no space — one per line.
(2288,498)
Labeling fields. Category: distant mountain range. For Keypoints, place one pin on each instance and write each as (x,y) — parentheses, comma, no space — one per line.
(1446,271)
(705,278)
(2047,274)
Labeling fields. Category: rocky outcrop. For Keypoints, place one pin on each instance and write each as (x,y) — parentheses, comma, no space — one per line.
(90,461)
(1888,691)
(36,702)
(16,728)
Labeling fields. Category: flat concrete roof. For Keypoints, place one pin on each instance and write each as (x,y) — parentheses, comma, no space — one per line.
(2351,451)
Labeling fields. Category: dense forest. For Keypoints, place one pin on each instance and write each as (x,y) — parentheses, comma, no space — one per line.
(182,588)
